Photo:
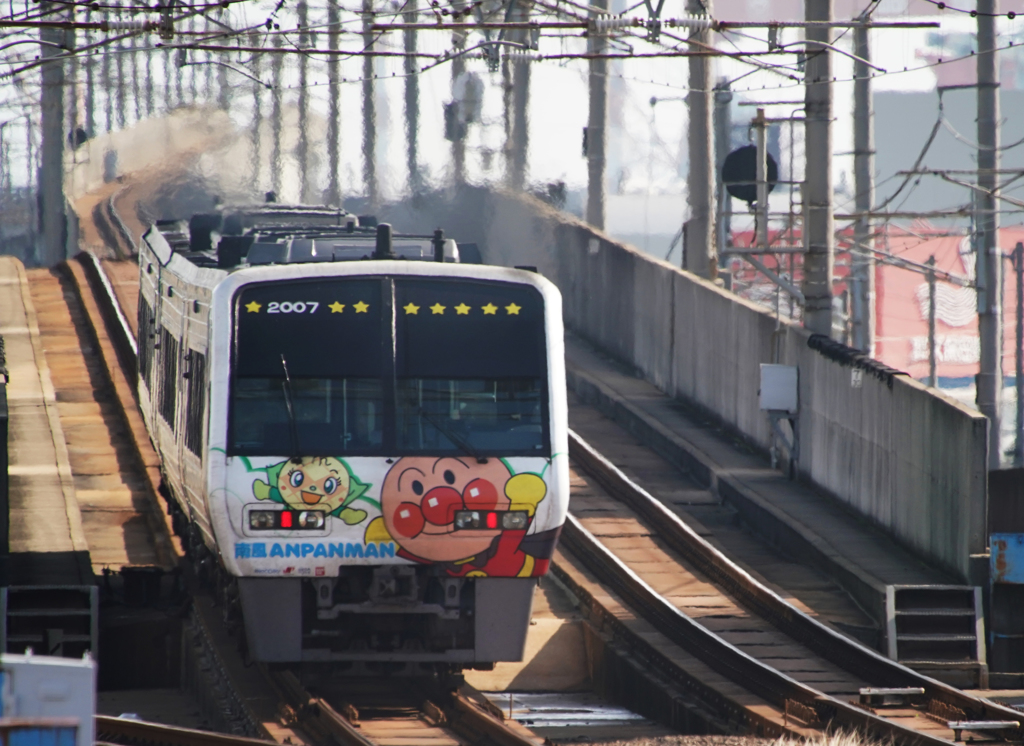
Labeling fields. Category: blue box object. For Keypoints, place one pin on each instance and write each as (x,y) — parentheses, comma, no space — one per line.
(1007,558)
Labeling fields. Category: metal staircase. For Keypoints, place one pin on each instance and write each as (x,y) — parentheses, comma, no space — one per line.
(61,620)
(938,630)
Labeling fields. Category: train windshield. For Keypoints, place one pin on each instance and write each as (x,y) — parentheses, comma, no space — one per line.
(382,367)
(470,368)
(308,369)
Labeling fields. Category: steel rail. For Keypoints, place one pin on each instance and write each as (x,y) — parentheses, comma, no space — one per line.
(755,676)
(848,654)
(129,732)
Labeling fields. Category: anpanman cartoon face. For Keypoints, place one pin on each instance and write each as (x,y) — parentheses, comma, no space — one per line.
(421,495)
(320,482)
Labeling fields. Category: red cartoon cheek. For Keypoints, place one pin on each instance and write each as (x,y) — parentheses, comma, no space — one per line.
(408,519)
(480,495)
(439,505)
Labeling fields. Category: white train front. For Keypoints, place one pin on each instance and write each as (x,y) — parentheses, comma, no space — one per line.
(371,452)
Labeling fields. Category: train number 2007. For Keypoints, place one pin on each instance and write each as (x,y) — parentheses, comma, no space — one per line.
(292,306)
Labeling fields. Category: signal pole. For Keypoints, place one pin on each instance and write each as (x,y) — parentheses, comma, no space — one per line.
(597,136)
(699,237)
(820,241)
(863,260)
(990,317)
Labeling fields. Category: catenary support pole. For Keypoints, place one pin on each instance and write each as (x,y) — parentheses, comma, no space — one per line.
(761,177)
(369,111)
(257,115)
(932,379)
(863,260)
(412,101)
(90,85)
(521,71)
(276,125)
(302,151)
(597,121)
(990,321)
(459,139)
(1018,265)
(723,135)
(51,183)
(699,239)
(334,107)
(820,240)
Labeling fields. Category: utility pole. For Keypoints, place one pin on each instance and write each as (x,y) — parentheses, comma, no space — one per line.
(136,91)
(597,120)
(863,259)
(932,380)
(820,241)
(276,63)
(369,111)
(303,146)
(699,238)
(1018,265)
(723,136)
(51,184)
(990,321)
(334,116)
(149,85)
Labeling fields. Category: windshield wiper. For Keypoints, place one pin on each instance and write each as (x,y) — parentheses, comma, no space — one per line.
(450,434)
(293,427)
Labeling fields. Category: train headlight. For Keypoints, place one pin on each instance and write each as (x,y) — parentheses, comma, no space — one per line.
(467,519)
(514,520)
(263,519)
(311,519)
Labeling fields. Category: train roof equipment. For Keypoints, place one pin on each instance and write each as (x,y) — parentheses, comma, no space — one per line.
(280,234)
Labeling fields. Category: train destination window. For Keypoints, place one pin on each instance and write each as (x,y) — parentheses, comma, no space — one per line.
(470,368)
(307,369)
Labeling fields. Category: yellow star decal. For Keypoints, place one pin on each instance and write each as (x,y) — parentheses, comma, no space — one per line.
(411,309)
(462,309)
(490,309)
(361,307)
(253,307)
(512,309)
(437,309)
(336,307)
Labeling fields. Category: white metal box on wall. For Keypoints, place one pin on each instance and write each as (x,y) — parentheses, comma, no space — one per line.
(779,388)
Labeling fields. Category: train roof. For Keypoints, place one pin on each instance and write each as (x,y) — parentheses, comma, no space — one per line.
(239,237)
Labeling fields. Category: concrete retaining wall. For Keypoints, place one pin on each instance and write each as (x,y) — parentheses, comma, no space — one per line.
(910,460)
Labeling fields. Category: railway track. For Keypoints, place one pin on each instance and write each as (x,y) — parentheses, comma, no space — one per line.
(710,644)
(708,606)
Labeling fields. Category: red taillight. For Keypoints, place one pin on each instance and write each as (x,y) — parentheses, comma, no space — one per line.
(286,519)
(492,520)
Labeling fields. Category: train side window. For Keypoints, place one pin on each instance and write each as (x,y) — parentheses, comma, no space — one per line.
(169,376)
(196,402)
(145,343)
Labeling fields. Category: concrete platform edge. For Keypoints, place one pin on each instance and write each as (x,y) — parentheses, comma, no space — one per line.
(74,515)
(773,524)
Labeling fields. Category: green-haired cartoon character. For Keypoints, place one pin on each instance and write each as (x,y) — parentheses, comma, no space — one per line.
(320,482)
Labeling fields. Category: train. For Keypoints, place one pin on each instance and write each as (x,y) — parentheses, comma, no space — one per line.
(363,436)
